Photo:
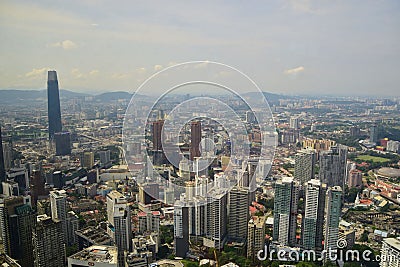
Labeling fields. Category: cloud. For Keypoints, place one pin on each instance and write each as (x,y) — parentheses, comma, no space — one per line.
(77,74)
(66,45)
(93,72)
(36,73)
(294,70)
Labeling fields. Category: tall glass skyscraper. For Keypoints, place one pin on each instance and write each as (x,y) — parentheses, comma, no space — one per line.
(53,104)
(2,166)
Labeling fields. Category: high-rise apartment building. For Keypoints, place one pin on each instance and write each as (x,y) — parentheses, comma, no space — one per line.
(313,220)
(216,230)
(53,104)
(285,211)
(333,211)
(48,245)
(119,219)
(304,166)
(354,178)
(149,222)
(238,214)
(332,166)
(17,220)
(181,229)
(255,236)
(294,123)
(195,134)
(390,252)
(58,203)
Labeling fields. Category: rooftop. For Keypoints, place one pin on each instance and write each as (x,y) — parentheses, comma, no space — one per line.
(393,242)
(105,254)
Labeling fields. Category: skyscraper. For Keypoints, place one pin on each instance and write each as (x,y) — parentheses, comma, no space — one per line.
(216,230)
(63,143)
(294,123)
(157,133)
(373,133)
(238,213)
(181,229)
(17,221)
(255,236)
(285,211)
(2,167)
(304,166)
(48,245)
(119,219)
(195,134)
(53,104)
(332,166)
(313,220)
(58,202)
(333,204)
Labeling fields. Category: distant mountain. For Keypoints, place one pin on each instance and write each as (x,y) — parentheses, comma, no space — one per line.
(21,96)
(271,98)
(112,96)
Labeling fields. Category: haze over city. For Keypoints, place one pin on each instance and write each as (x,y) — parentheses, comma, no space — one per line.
(288,47)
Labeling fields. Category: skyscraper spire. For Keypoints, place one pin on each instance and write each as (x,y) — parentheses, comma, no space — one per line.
(53,104)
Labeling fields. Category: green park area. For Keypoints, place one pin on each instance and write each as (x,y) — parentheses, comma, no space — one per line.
(368,158)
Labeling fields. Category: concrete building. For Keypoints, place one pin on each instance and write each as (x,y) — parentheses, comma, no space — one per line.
(58,203)
(390,252)
(313,220)
(332,166)
(102,256)
(149,222)
(87,160)
(181,229)
(304,166)
(48,245)
(17,220)
(195,139)
(119,224)
(294,123)
(63,143)
(238,214)
(285,211)
(333,211)
(393,146)
(255,236)
(354,178)
(217,219)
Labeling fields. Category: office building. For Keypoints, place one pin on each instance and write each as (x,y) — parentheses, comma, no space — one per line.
(373,133)
(149,192)
(105,158)
(195,139)
(37,186)
(63,143)
(354,131)
(181,229)
(255,236)
(119,222)
(53,104)
(304,166)
(48,245)
(285,211)
(72,227)
(238,214)
(157,134)
(332,166)
(17,220)
(313,220)
(390,252)
(103,256)
(333,211)
(87,160)
(250,117)
(58,203)
(91,235)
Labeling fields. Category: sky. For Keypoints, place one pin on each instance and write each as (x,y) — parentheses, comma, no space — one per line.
(294,47)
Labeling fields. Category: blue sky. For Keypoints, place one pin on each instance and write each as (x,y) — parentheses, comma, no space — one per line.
(287,47)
